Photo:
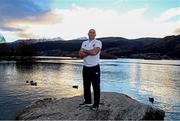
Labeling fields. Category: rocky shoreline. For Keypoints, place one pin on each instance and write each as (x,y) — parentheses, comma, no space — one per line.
(113,106)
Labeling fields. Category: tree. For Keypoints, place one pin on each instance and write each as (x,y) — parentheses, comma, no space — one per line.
(2,39)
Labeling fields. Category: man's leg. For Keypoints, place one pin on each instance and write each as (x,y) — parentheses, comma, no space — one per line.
(96,85)
(87,85)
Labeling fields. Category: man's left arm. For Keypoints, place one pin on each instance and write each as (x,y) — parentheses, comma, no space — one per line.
(93,51)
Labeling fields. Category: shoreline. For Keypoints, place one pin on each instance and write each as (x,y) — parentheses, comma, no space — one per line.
(24,58)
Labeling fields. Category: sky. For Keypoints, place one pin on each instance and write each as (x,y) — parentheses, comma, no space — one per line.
(71,19)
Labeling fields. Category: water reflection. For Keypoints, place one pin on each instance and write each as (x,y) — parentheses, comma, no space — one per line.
(52,79)
(158,81)
(55,78)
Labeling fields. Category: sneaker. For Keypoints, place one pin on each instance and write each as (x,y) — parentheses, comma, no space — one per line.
(94,107)
(85,104)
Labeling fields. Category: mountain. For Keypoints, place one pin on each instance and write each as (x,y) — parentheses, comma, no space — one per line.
(2,39)
(33,41)
(113,47)
(169,45)
(81,38)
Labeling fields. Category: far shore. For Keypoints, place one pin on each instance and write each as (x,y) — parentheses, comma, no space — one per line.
(36,58)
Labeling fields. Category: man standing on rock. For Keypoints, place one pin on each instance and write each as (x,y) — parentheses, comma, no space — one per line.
(90,53)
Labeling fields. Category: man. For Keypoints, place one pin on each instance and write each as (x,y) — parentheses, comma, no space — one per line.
(90,53)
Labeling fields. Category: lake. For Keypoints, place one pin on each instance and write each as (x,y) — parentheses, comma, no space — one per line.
(137,78)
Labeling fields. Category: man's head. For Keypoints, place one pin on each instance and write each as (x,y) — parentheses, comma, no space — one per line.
(92,34)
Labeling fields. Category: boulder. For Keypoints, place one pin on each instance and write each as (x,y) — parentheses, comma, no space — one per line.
(113,106)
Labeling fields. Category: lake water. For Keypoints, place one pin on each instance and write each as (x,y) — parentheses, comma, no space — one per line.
(137,78)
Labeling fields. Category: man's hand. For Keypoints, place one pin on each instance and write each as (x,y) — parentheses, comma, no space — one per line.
(82,54)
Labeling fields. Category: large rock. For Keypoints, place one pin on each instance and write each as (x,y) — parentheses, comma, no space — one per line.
(114,106)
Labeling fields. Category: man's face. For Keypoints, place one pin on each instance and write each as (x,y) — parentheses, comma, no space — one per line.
(92,34)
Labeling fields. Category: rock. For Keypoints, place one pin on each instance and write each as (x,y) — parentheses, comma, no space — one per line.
(151,99)
(33,83)
(113,106)
(75,86)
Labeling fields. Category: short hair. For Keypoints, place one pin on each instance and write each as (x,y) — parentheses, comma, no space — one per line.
(92,30)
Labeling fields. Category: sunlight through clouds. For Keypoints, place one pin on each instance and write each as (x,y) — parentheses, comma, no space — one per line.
(76,21)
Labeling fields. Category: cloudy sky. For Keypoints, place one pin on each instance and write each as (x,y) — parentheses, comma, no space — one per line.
(71,19)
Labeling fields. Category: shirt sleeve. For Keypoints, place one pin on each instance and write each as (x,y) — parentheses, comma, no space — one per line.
(83,45)
(98,44)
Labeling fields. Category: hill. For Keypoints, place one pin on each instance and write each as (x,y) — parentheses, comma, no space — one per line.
(113,47)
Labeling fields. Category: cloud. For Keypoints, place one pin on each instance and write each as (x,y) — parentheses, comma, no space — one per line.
(76,21)
(26,35)
(177,31)
(13,9)
(168,14)
(20,9)
(28,27)
(8,28)
(131,24)
(50,17)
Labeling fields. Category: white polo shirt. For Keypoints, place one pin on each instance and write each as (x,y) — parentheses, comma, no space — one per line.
(90,60)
